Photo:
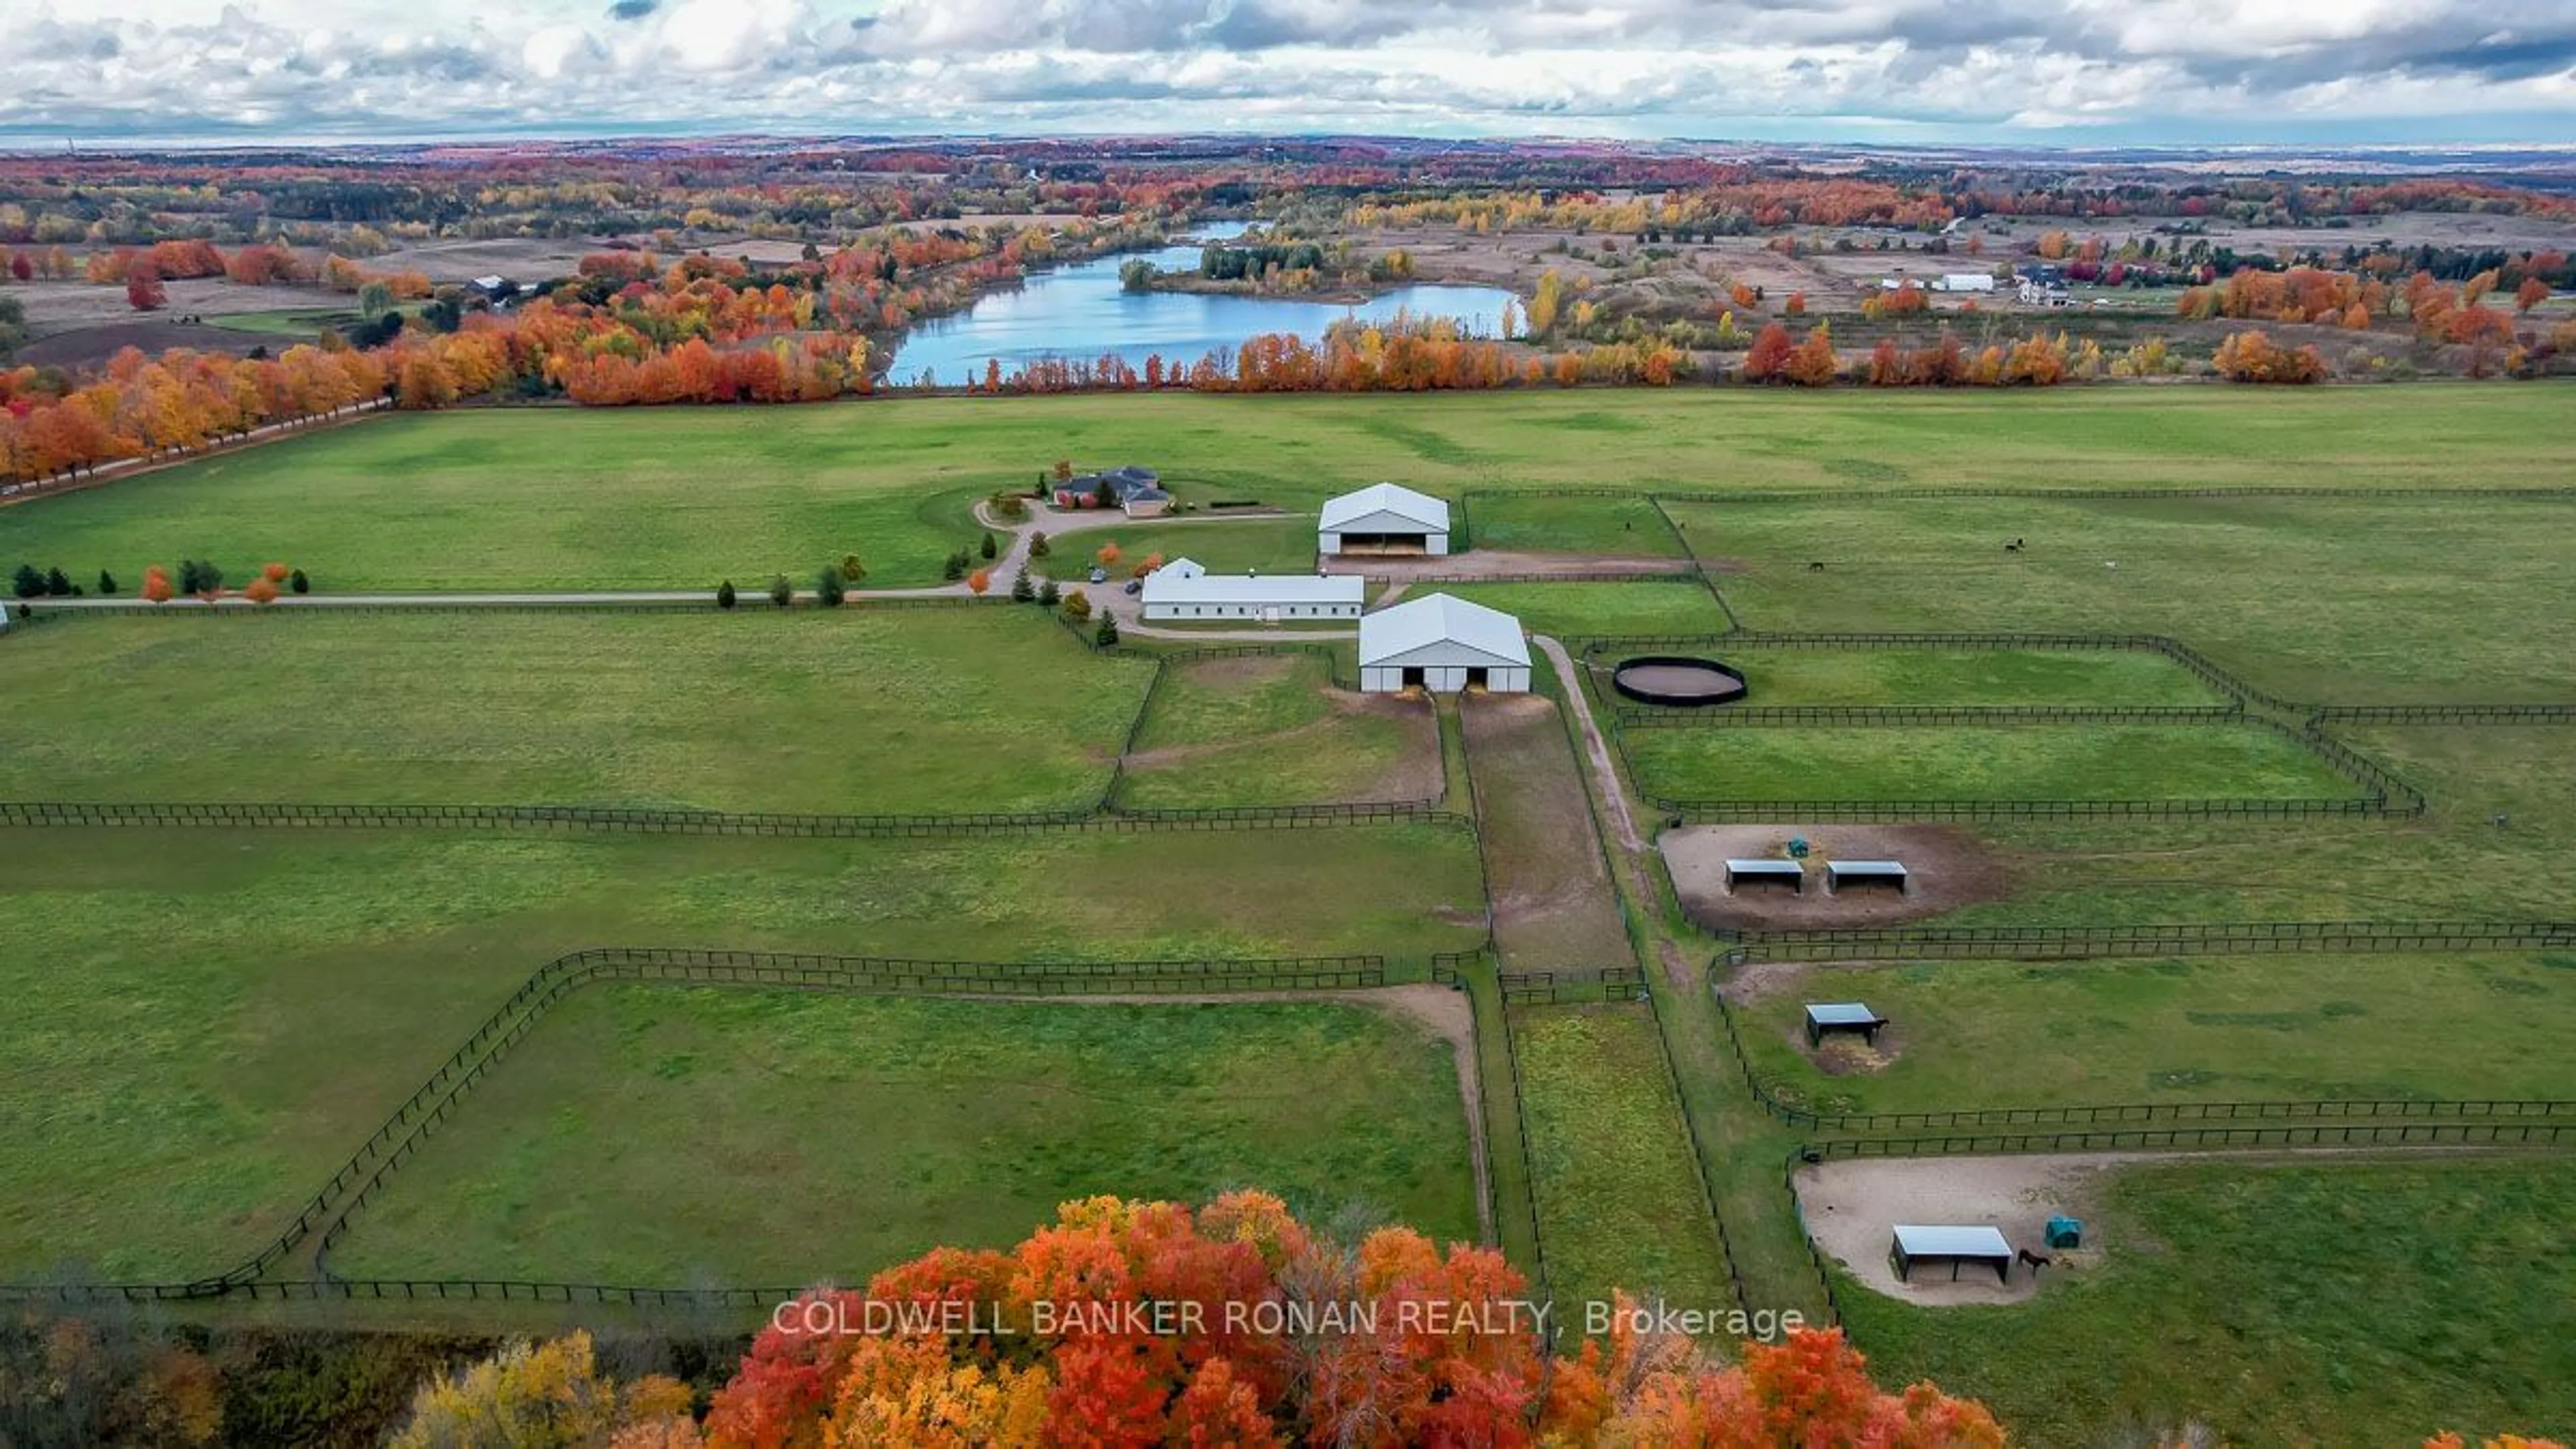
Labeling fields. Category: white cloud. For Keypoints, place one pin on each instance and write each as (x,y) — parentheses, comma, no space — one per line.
(176,68)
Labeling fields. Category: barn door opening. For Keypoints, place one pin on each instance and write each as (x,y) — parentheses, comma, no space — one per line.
(1476,676)
(1413,677)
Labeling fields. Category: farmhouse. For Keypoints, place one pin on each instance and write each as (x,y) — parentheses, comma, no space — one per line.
(1183,590)
(1138,490)
(1384,518)
(1443,644)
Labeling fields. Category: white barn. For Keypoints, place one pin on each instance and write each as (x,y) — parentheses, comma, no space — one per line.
(1182,589)
(1384,518)
(1443,644)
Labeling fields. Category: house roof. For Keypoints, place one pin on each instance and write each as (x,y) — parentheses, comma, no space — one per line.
(1166,586)
(1432,513)
(1440,618)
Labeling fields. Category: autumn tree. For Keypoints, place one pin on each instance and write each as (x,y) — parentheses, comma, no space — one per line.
(1770,354)
(260,591)
(1108,555)
(1796,306)
(1814,363)
(143,289)
(1077,606)
(1545,302)
(980,581)
(2530,294)
(542,1396)
(1038,545)
(156,585)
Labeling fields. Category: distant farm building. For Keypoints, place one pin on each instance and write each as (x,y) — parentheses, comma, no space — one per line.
(1384,518)
(1183,590)
(1443,644)
(1137,490)
(1965,282)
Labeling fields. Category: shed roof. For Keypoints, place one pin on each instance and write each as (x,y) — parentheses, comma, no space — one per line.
(1432,513)
(1865,867)
(1841,1013)
(1437,618)
(1163,586)
(1763,865)
(1916,1240)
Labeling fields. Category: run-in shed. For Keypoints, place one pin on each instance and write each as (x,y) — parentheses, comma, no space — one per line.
(1958,1244)
(1824,1017)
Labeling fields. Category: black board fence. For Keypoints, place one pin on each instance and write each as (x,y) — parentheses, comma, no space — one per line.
(2211,938)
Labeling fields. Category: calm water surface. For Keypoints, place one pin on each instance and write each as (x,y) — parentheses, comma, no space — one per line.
(1080,312)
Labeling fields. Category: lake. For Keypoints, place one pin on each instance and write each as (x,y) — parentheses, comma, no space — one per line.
(1079,311)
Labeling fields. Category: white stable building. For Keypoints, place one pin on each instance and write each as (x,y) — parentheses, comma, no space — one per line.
(1443,644)
(1384,518)
(1182,589)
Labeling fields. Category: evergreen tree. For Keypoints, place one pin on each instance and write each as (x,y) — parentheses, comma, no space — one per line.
(57,583)
(1022,591)
(1048,595)
(299,583)
(829,588)
(724,594)
(781,592)
(992,548)
(956,566)
(26,583)
(106,584)
(1107,633)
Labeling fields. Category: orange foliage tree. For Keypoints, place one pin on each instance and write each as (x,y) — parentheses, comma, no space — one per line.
(1769,358)
(2253,357)
(1145,1324)
(980,580)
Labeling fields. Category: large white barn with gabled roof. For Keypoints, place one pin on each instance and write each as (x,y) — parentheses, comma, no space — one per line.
(1443,644)
(1182,589)
(1384,518)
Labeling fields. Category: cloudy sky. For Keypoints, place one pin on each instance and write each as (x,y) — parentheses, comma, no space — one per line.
(2070,72)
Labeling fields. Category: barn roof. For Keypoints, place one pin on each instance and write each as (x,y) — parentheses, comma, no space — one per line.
(1438,618)
(1163,586)
(1431,513)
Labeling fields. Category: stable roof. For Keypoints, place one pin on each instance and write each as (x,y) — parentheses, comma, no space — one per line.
(1163,586)
(1432,514)
(1441,618)
(1180,568)
(1842,1013)
(1917,1240)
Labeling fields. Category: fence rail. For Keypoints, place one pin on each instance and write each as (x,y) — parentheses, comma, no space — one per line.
(1881,810)
(2445,713)
(2216,938)
(220,815)
(1865,716)
(2129,1139)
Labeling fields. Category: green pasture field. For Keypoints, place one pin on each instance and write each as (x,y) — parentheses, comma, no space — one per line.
(917,711)
(1231,546)
(658,1135)
(2317,1303)
(1619,1203)
(2001,762)
(1584,610)
(2287,1027)
(1974,677)
(682,497)
(1540,524)
(2452,863)
(204,1023)
(1271,730)
(2340,600)
(1553,905)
